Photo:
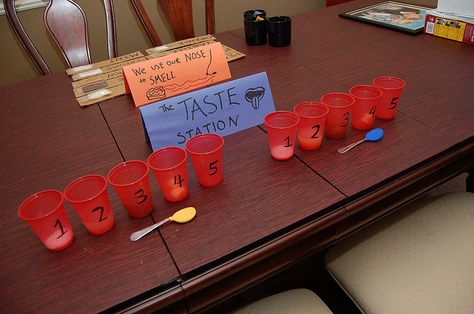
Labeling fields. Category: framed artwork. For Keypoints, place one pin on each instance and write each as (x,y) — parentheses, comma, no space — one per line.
(395,15)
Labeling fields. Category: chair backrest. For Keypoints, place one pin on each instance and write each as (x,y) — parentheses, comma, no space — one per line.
(67,24)
(179,14)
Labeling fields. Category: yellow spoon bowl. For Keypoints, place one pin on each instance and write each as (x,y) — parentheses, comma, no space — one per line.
(181,216)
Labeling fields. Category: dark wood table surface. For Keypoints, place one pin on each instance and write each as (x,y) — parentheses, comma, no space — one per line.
(47,141)
(266,215)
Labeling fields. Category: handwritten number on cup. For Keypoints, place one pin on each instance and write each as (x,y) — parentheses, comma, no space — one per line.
(317,127)
(213,168)
(346,119)
(60,225)
(372,111)
(178,180)
(393,103)
(141,196)
(287,140)
(101,217)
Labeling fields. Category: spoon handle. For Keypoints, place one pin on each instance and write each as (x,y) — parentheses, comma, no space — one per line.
(349,147)
(137,235)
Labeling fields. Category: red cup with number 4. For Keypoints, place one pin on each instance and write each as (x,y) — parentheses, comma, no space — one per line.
(392,88)
(169,166)
(88,195)
(44,212)
(130,181)
(367,100)
(206,154)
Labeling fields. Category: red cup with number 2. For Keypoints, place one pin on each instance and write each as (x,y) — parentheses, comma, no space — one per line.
(88,195)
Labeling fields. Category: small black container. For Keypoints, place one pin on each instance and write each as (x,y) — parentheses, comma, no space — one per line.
(279,31)
(252,14)
(255,31)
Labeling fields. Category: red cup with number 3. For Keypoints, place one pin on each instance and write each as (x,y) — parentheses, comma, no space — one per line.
(337,120)
(169,166)
(392,88)
(44,212)
(206,154)
(88,195)
(130,181)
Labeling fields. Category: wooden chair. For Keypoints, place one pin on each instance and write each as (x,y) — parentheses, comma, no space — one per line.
(67,24)
(179,14)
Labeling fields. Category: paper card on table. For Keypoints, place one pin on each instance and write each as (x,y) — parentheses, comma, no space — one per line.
(177,73)
(223,109)
(181,43)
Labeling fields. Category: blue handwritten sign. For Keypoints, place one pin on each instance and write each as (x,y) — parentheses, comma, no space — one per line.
(223,109)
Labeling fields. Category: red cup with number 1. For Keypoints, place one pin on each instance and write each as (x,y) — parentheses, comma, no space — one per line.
(282,127)
(44,212)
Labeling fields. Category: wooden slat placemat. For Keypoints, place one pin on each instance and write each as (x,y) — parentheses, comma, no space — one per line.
(103,80)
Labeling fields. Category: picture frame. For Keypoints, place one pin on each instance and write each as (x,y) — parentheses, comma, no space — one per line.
(399,16)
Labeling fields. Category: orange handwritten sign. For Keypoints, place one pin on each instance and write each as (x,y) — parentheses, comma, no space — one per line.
(177,73)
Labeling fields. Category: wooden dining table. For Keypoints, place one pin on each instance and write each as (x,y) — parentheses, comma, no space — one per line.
(266,215)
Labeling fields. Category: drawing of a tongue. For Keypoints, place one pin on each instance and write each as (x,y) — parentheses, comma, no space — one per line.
(254,95)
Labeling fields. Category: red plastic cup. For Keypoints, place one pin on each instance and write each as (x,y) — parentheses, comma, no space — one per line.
(340,107)
(44,212)
(88,195)
(282,127)
(367,100)
(206,154)
(392,88)
(130,181)
(312,123)
(169,166)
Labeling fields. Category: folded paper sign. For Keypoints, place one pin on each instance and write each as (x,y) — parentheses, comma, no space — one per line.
(223,109)
(176,73)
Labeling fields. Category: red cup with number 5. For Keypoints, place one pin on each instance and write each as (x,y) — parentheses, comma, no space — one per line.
(392,88)
(206,154)
(169,166)
(130,181)
(367,100)
(88,195)
(340,107)
(44,212)
(282,127)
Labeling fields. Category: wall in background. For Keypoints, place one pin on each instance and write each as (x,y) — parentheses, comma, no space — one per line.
(16,66)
